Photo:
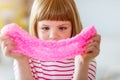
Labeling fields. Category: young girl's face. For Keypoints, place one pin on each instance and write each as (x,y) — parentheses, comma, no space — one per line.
(54,30)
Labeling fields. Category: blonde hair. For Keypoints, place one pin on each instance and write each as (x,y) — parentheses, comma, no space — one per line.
(60,10)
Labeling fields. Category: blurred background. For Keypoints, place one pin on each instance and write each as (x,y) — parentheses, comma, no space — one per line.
(104,14)
(12,11)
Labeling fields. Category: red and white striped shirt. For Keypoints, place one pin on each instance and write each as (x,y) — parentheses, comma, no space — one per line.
(57,70)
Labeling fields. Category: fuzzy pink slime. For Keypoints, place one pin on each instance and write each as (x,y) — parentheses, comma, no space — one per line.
(48,50)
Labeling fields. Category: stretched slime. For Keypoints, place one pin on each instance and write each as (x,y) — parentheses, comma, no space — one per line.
(49,50)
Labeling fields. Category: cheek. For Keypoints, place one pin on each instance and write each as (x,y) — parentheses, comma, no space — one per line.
(66,35)
(42,36)
(69,33)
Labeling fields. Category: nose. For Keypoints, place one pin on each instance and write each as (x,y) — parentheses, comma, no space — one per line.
(53,35)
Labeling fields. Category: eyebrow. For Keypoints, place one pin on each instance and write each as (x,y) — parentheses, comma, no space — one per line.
(64,24)
(44,25)
(58,25)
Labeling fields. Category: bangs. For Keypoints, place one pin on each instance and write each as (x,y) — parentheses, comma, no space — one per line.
(54,11)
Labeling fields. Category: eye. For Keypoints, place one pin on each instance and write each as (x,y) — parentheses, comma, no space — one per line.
(62,28)
(45,28)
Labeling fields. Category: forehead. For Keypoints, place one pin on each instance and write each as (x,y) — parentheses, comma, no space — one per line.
(54,23)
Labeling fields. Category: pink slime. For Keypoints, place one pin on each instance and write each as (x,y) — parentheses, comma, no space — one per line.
(48,50)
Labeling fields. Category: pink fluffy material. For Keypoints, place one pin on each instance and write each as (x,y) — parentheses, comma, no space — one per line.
(33,47)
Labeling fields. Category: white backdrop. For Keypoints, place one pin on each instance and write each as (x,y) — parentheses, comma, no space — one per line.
(105,15)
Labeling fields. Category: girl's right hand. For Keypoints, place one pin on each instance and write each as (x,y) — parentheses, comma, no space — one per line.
(6,45)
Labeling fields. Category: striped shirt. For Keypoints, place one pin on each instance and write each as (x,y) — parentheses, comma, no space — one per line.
(57,70)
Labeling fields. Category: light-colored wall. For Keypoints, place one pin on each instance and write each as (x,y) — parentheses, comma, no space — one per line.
(105,15)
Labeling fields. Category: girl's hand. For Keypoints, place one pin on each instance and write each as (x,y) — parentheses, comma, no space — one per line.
(92,49)
(6,45)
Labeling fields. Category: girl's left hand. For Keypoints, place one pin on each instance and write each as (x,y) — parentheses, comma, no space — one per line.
(92,49)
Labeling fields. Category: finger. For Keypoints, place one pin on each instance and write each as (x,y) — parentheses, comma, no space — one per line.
(8,43)
(97,38)
(3,37)
(2,45)
(92,50)
(6,50)
(95,44)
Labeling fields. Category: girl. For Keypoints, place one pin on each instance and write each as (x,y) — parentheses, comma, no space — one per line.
(54,20)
